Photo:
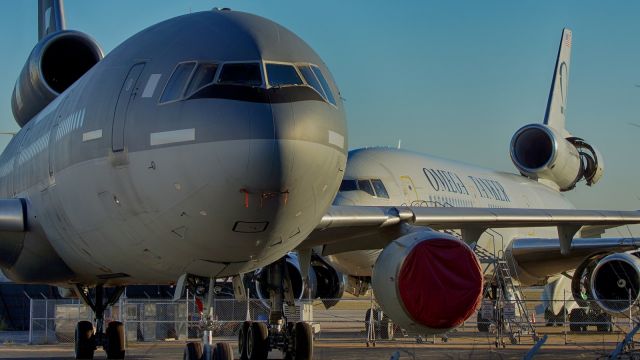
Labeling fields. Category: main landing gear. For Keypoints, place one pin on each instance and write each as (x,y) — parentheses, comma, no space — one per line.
(112,340)
(256,339)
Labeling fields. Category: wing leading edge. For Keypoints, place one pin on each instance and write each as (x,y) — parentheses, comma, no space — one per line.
(342,220)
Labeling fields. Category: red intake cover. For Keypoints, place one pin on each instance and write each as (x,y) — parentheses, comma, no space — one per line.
(440,283)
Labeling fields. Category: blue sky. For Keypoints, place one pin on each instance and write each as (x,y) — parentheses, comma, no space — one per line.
(451,78)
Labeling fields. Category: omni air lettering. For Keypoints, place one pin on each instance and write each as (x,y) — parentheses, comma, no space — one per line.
(444,180)
(490,189)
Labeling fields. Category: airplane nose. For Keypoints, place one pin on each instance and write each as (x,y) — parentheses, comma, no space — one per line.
(297,173)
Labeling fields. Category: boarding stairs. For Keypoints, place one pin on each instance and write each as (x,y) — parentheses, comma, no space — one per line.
(510,312)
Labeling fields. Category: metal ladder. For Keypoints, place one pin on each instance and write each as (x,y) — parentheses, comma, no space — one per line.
(518,322)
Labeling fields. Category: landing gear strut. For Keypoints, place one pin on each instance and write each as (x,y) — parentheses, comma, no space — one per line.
(112,340)
(206,350)
(256,339)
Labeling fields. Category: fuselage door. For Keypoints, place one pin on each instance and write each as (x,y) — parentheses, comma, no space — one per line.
(408,189)
(127,95)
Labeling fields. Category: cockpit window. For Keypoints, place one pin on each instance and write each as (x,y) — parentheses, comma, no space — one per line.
(348,185)
(203,76)
(381,191)
(282,75)
(241,74)
(311,79)
(178,80)
(325,84)
(373,187)
(365,186)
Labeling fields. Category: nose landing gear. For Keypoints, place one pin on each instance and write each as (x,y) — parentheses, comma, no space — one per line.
(256,339)
(112,340)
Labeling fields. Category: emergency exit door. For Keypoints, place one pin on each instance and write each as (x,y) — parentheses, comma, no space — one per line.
(127,96)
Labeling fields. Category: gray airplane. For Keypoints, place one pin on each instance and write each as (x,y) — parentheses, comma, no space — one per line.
(211,145)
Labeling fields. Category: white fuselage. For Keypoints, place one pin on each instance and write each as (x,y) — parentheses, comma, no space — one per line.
(413,179)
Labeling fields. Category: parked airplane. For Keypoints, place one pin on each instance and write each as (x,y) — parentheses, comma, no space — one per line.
(212,144)
(550,162)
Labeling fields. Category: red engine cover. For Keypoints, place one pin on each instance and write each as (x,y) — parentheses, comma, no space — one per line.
(440,283)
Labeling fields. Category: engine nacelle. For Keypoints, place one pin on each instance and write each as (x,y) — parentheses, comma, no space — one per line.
(324,281)
(428,282)
(539,152)
(261,278)
(55,63)
(615,282)
(330,283)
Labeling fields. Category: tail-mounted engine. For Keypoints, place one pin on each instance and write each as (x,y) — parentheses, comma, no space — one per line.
(55,63)
(611,281)
(539,152)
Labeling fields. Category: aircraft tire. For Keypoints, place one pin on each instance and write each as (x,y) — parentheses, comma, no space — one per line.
(222,351)
(242,340)
(193,351)
(115,340)
(303,341)
(257,341)
(84,346)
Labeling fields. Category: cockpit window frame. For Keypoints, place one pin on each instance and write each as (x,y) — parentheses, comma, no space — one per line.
(193,73)
(266,73)
(263,73)
(323,95)
(220,65)
(184,86)
(370,181)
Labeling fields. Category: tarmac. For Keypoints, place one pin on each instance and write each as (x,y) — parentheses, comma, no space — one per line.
(343,349)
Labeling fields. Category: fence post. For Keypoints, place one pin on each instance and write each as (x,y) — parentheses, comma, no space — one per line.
(248,317)
(186,301)
(630,314)
(30,321)
(123,319)
(564,314)
(46,321)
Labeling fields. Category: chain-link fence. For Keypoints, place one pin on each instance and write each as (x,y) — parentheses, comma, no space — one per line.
(358,320)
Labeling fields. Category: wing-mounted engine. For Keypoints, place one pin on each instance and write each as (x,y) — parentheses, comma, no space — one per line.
(428,282)
(540,152)
(612,281)
(55,63)
(324,281)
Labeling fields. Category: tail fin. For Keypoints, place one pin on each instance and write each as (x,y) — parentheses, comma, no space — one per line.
(557,103)
(50,17)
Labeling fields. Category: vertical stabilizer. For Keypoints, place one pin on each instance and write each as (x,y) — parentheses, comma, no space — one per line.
(557,103)
(50,17)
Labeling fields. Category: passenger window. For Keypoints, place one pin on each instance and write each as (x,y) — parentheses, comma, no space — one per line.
(241,74)
(202,77)
(282,75)
(365,186)
(311,79)
(177,82)
(381,191)
(325,84)
(348,185)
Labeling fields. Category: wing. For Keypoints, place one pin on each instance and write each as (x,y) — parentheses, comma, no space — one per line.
(346,228)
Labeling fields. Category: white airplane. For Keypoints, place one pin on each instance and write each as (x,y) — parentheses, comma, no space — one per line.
(444,194)
(212,144)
